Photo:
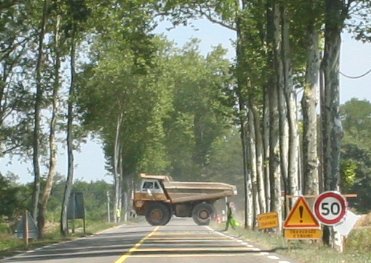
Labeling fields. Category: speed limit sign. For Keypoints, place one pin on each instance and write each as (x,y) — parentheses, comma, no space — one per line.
(330,208)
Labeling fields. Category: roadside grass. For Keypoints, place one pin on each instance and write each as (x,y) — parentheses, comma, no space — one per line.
(11,245)
(357,246)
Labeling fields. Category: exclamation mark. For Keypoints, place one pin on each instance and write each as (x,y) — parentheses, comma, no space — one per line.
(301,210)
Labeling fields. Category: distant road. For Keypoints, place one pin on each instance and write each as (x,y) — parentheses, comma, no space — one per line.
(178,242)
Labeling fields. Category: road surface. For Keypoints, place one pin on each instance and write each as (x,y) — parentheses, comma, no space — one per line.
(178,242)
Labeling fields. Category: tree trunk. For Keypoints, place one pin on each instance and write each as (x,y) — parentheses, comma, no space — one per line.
(116,169)
(280,82)
(69,182)
(309,106)
(266,149)
(335,14)
(127,187)
(332,129)
(283,131)
(259,161)
(274,155)
(242,85)
(290,97)
(273,94)
(247,179)
(52,130)
(252,160)
(293,172)
(37,112)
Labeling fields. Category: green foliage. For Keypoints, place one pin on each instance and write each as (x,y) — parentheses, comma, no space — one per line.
(356,151)
(225,161)
(355,115)
(119,88)
(95,199)
(199,115)
(348,174)
(356,175)
(171,111)
(17,61)
(360,25)
(13,198)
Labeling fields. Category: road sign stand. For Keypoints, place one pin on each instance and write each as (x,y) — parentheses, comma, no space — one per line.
(326,207)
(317,242)
(301,224)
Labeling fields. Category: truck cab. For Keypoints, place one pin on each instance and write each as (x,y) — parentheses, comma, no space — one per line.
(151,186)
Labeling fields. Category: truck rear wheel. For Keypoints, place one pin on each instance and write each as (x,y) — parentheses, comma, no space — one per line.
(202,213)
(158,214)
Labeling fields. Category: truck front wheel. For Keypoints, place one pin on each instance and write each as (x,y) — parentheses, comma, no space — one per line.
(158,214)
(202,213)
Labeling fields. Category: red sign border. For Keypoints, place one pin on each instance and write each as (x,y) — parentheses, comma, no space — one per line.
(335,195)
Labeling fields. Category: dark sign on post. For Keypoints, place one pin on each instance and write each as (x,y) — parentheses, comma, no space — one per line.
(26,227)
(76,207)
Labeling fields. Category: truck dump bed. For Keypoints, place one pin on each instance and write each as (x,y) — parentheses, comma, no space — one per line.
(192,191)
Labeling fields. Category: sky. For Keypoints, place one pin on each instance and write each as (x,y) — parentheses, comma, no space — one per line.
(355,60)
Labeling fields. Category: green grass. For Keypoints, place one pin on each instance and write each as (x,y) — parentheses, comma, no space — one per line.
(357,248)
(359,241)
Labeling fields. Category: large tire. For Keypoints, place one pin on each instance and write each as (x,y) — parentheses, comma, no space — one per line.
(202,213)
(158,214)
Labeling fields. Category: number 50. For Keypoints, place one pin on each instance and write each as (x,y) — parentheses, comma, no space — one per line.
(330,208)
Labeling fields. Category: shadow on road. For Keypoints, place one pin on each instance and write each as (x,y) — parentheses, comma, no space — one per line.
(134,241)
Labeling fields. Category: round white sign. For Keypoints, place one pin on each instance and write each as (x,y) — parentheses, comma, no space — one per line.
(330,208)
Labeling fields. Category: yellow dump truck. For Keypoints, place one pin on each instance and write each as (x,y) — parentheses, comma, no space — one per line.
(159,198)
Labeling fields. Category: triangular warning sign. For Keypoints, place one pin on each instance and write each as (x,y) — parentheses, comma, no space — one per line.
(301,216)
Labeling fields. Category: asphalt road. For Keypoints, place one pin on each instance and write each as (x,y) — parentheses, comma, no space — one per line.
(179,241)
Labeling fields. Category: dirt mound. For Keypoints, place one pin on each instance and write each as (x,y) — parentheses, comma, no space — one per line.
(365,220)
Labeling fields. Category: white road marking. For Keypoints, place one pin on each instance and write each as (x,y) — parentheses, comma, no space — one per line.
(249,246)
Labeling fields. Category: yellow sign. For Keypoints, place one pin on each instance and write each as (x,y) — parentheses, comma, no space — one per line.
(268,220)
(301,216)
(303,233)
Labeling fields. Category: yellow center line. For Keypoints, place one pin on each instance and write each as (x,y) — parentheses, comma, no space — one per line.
(187,238)
(193,249)
(135,247)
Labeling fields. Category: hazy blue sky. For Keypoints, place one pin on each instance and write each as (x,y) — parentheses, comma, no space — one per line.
(355,60)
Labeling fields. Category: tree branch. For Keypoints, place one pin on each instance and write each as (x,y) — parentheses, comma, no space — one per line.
(211,19)
(8,4)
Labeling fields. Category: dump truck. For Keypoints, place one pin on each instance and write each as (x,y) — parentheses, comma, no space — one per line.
(160,197)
